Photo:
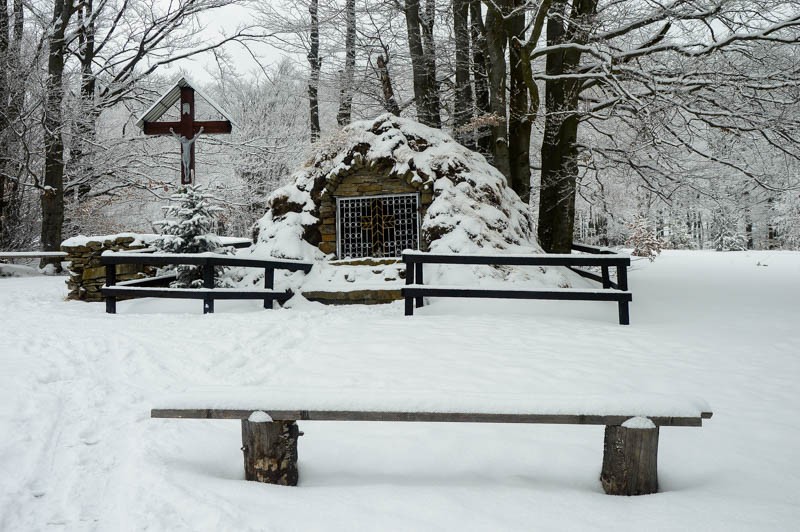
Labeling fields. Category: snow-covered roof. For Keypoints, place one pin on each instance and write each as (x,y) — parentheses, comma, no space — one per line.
(168,99)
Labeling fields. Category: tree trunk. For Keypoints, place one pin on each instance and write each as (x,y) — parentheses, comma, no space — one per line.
(630,460)
(12,96)
(270,451)
(480,75)
(424,92)
(52,199)
(462,104)
(5,140)
(316,63)
(5,74)
(80,175)
(559,148)
(496,39)
(389,100)
(346,90)
(559,176)
(429,51)
(519,121)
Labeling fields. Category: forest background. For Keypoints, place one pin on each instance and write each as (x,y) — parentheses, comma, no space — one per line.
(676,119)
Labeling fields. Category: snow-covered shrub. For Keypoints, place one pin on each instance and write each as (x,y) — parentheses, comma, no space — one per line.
(680,237)
(643,239)
(725,234)
(787,220)
(189,228)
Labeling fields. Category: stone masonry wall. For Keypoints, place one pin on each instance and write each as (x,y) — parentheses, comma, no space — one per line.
(363,182)
(87,273)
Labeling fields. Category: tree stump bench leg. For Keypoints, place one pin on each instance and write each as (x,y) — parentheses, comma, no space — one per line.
(630,458)
(270,451)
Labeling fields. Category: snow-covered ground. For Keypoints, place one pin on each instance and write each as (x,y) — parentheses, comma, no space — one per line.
(78,450)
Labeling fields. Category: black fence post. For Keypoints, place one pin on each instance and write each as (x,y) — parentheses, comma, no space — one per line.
(409,281)
(622,277)
(208,283)
(624,315)
(111,280)
(269,284)
(420,280)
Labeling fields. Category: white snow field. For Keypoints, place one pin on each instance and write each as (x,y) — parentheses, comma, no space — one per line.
(78,450)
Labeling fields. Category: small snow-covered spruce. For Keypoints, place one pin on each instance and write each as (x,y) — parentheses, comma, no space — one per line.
(189,228)
(643,239)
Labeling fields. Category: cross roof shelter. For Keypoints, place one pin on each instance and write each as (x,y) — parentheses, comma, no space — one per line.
(187,129)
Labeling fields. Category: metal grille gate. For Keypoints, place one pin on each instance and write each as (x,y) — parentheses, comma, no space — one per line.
(377,226)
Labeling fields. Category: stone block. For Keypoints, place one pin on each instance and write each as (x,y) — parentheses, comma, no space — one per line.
(94,273)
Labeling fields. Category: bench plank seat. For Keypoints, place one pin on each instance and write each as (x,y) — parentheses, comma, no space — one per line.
(228,402)
(426,417)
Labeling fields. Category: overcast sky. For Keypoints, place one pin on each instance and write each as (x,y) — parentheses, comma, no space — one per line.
(225,21)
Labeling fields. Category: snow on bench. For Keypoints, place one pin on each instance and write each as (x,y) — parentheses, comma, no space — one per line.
(269,429)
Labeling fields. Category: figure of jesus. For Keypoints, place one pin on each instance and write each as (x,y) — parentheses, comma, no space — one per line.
(186,153)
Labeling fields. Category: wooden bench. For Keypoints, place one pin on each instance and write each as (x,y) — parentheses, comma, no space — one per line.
(415,289)
(147,287)
(270,431)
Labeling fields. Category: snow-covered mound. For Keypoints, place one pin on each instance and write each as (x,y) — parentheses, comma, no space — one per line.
(472,210)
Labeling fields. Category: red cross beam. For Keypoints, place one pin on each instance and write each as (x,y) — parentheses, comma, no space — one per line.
(187,130)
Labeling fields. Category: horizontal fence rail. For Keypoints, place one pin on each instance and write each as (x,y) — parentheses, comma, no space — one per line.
(208,293)
(415,289)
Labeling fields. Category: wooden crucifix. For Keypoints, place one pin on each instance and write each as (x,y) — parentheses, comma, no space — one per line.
(187,130)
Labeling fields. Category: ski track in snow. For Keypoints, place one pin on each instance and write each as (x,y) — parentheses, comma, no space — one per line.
(78,450)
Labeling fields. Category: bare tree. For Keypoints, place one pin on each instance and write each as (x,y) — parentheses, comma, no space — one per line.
(480,74)
(462,101)
(139,37)
(52,199)
(390,102)
(346,89)
(520,117)
(316,64)
(620,60)
(423,60)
